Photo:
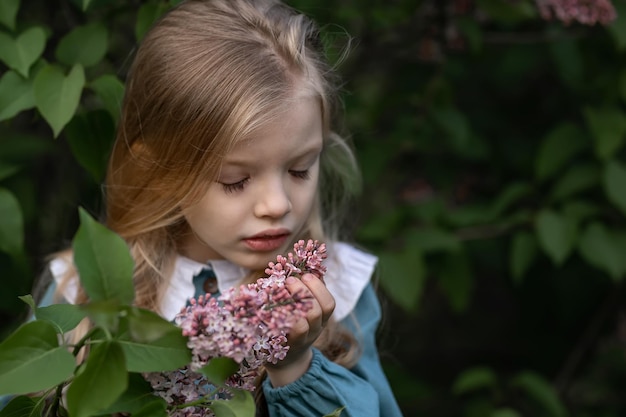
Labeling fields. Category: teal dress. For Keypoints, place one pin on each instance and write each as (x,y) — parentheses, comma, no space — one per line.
(362,390)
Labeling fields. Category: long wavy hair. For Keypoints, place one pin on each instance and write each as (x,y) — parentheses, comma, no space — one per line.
(207,74)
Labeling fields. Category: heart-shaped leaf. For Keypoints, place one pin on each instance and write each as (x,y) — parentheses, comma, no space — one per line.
(557,235)
(614,180)
(16,94)
(11,223)
(111,91)
(8,12)
(84,45)
(21,53)
(90,136)
(57,96)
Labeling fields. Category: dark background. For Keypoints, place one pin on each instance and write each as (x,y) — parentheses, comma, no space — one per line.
(491,141)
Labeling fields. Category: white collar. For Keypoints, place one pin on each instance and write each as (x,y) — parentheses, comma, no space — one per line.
(349,272)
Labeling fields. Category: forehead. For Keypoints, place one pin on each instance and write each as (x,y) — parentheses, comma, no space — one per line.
(297,128)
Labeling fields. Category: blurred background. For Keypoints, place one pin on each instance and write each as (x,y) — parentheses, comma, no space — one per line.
(491,138)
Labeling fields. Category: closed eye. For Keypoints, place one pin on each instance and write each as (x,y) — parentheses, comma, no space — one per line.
(235,186)
(303,175)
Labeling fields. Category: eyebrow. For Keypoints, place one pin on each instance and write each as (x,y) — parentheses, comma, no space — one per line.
(299,154)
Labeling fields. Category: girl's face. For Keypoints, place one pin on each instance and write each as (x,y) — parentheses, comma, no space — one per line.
(265,192)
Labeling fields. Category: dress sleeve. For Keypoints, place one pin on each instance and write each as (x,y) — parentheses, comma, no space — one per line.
(363,390)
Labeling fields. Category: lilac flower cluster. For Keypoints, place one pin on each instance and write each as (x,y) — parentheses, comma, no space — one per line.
(248,324)
(587,12)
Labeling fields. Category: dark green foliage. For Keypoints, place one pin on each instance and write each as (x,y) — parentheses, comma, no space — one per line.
(492,147)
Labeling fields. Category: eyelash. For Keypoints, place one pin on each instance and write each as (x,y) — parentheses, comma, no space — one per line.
(239,185)
(235,186)
(303,175)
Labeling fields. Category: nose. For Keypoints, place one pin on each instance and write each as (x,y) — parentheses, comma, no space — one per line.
(273,200)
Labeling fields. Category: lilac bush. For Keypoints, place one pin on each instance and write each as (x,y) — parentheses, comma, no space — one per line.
(248,324)
(587,12)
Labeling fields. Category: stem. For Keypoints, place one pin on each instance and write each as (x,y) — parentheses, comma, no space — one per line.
(83,341)
(59,389)
(588,339)
(203,401)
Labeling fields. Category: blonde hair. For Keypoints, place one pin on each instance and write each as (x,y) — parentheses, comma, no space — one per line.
(206,75)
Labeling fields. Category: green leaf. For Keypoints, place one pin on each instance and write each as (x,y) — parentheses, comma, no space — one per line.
(559,146)
(455,126)
(472,31)
(111,91)
(8,170)
(102,381)
(403,275)
(622,85)
(22,52)
(90,136)
(103,260)
(155,408)
(148,14)
(138,396)
(32,347)
(473,379)
(511,194)
(16,95)
(336,413)
(64,316)
(57,96)
(166,353)
(580,210)
(557,235)
(240,405)
(431,239)
(105,314)
(21,148)
(607,127)
(600,248)
(11,223)
(23,406)
(568,59)
(8,12)
(382,226)
(218,370)
(614,180)
(146,326)
(618,27)
(455,279)
(506,412)
(84,45)
(577,179)
(523,254)
(506,12)
(541,391)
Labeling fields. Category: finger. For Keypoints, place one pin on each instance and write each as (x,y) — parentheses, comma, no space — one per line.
(321,294)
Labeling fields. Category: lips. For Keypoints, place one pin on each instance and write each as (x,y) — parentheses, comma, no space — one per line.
(268,240)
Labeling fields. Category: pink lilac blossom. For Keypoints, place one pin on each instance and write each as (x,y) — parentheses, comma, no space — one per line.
(248,324)
(587,12)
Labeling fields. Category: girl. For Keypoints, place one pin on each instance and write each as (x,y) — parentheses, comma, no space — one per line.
(225,155)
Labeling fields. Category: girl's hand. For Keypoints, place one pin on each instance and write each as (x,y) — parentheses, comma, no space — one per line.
(304,332)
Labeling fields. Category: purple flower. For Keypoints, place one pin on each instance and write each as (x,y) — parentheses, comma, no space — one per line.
(587,12)
(248,324)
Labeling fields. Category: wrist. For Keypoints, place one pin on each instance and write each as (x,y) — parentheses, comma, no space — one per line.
(285,373)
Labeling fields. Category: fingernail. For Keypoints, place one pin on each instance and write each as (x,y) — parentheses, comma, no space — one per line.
(290,280)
